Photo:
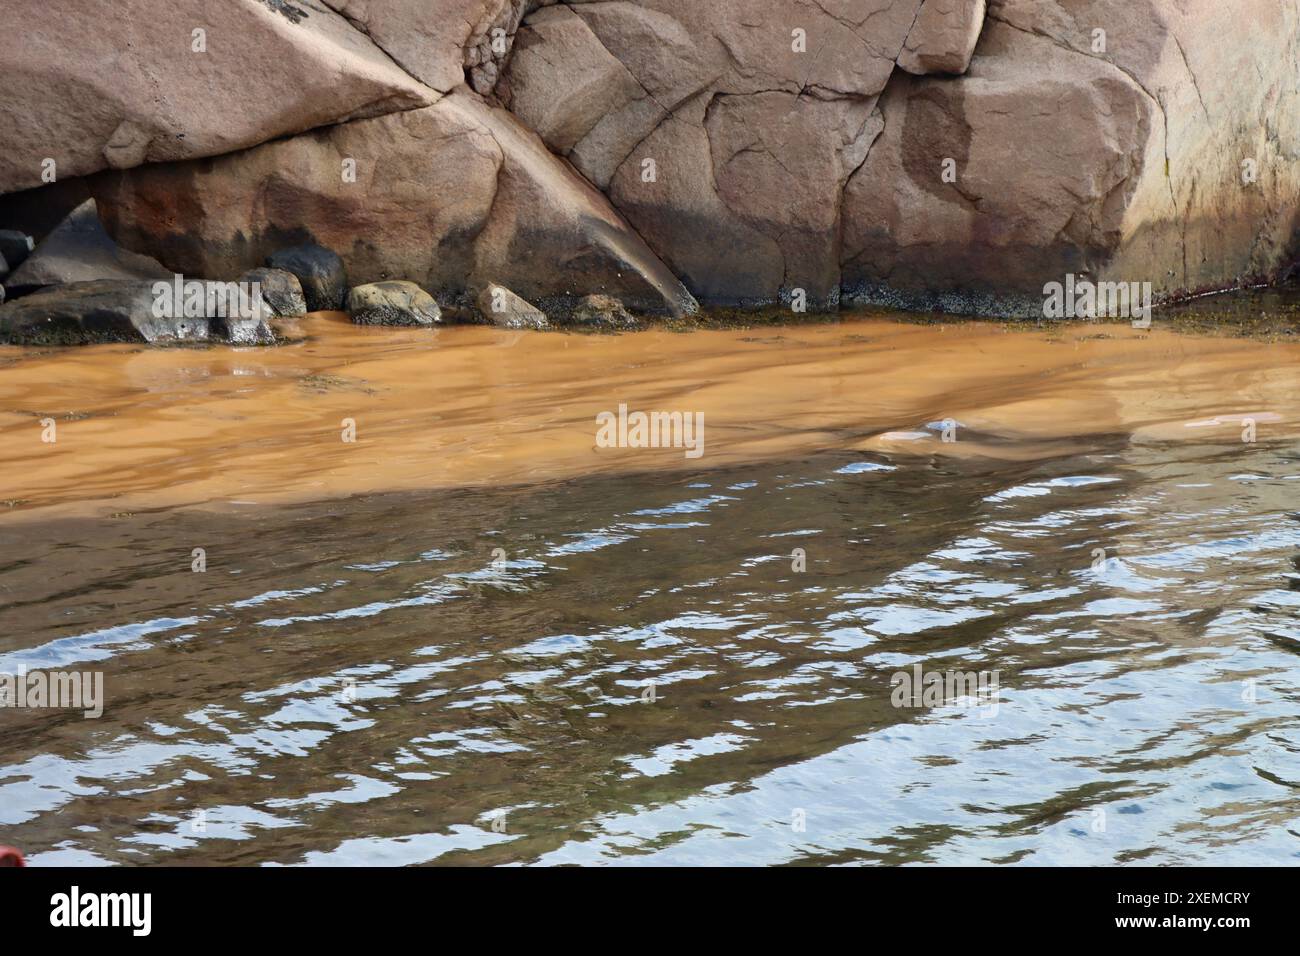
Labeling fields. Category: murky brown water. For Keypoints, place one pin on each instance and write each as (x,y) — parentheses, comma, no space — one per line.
(139,428)
(467,611)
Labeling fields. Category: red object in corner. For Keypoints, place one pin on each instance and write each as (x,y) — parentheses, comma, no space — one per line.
(10,857)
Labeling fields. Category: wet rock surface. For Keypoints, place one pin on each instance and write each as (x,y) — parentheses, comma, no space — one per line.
(109,310)
(392,303)
(508,310)
(124,310)
(319,271)
(281,291)
(603,311)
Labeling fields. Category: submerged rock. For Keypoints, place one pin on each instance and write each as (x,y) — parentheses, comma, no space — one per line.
(392,303)
(124,310)
(319,271)
(508,310)
(281,291)
(80,250)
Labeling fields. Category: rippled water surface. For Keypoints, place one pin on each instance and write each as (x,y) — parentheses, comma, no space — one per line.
(631,668)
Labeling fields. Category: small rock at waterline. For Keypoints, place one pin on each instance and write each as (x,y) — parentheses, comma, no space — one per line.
(392,302)
(508,310)
(281,291)
(319,271)
(603,310)
(15,246)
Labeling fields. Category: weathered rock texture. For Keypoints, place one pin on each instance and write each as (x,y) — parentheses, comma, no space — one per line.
(103,311)
(93,88)
(724,132)
(447,197)
(443,42)
(954,153)
(943,38)
(1125,154)
(79,250)
(392,303)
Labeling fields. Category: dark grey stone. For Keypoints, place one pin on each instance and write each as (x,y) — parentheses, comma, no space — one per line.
(320,272)
(79,312)
(15,246)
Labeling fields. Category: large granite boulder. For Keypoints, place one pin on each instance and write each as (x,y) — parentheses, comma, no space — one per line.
(449,197)
(729,132)
(147,81)
(1216,202)
(1100,138)
(951,153)
(589,104)
(984,206)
